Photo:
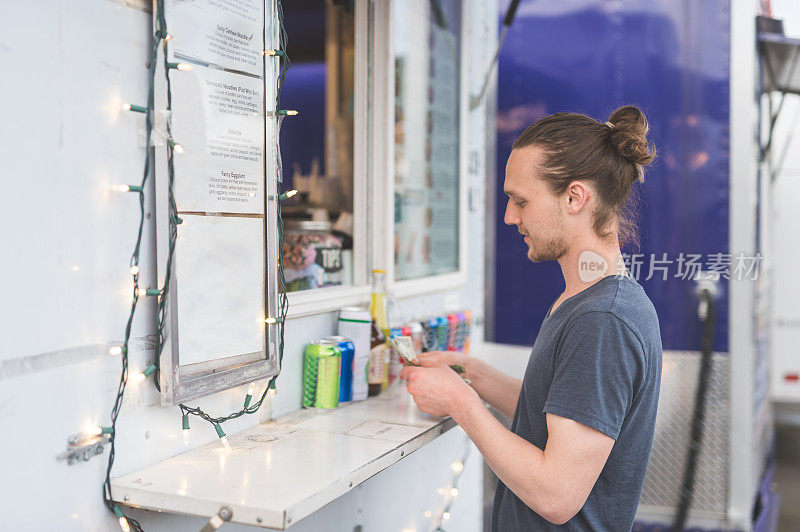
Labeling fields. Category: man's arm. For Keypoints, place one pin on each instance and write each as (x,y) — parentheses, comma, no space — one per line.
(493,386)
(555,482)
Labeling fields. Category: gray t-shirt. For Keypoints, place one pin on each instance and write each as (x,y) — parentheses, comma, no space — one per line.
(597,361)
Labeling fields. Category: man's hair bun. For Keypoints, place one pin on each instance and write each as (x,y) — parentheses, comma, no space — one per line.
(629,135)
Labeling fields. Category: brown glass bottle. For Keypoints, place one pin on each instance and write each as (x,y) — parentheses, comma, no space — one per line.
(377,360)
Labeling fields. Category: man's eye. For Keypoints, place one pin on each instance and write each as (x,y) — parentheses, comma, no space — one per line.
(520,203)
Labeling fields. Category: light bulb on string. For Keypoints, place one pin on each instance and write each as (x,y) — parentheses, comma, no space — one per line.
(454,492)
(274,53)
(185,423)
(446,516)
(123,521)
(115,350)
(134,270)
(139,377)
(457,467)
(148,292)
(222,437)
(134,108)
(249,396)
(183,67)
(177,148)
(287,195)
(126,188)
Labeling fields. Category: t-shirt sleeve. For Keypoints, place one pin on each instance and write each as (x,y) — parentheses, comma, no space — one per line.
(598,366)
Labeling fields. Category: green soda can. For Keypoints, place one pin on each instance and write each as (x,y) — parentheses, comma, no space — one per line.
(321,365)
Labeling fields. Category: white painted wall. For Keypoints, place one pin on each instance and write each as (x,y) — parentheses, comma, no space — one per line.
(67,67)
(785,220)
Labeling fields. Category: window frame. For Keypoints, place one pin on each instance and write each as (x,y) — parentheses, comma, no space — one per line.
(384,189)
(327,299)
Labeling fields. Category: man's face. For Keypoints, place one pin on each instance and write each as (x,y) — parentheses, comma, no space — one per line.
(533,208)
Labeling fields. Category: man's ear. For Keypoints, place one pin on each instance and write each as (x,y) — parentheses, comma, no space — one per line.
(577,194)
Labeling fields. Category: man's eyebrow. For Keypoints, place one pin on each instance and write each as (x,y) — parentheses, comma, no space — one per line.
(512,193)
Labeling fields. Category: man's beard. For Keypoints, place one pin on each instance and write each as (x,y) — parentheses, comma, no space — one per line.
(554,245)
(552,249)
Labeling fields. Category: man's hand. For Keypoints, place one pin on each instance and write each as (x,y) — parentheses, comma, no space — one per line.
(437,390)
(443,358)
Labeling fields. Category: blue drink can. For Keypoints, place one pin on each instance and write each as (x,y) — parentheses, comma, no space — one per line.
(348,351)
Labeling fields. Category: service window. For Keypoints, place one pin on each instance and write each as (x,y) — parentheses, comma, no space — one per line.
(322,248)
(426,39)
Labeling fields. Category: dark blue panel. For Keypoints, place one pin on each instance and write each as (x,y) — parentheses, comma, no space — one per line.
(303,136)
(672,60)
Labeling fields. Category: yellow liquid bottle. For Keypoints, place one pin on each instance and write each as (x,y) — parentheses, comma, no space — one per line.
(379,314)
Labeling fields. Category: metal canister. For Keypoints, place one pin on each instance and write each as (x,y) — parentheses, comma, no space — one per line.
(416,334)
(348,351)
(321,366)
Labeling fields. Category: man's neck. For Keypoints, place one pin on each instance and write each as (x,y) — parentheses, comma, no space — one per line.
(588,262)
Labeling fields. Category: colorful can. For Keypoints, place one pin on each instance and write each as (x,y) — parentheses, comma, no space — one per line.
(416,335)
(467,330)
(321,366)
(429,335)
(452,332)
(441,333)
(348,350)
(356,323)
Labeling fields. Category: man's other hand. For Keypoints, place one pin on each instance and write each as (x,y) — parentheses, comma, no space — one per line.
(437,389)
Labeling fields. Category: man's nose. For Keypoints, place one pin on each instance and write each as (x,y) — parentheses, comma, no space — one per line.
(511,217)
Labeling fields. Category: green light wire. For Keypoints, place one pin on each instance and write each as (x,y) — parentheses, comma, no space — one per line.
(174,220)
(134,261)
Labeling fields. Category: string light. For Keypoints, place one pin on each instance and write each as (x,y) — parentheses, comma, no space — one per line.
(183,67)
(139,377)
(134,270)
(123,521)
(168,37)
(222,437)
(457,467)
(274,53)
(177,148)
(97,431)
(446,516)
(287,195)
(115,350)
(127,188)
(454,492)
(286,112)
(148,292)
(249,396)
(134,108)
(185,422)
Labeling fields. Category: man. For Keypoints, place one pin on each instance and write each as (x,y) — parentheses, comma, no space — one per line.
(584,413)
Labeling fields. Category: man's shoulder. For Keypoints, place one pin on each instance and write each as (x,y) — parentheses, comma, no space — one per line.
(620,300)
